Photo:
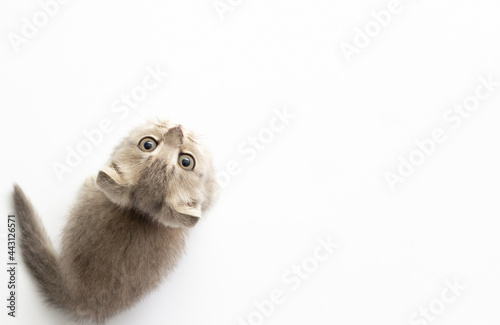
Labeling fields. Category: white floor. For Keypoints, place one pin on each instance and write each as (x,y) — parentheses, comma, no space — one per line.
(372,125)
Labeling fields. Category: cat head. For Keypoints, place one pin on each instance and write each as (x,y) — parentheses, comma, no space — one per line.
(162,171)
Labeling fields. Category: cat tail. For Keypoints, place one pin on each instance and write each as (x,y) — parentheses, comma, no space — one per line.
(38,252)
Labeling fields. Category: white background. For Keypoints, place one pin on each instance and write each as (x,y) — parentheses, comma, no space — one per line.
(322,175)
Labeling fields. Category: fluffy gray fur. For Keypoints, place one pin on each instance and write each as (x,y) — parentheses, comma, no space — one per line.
(127,229)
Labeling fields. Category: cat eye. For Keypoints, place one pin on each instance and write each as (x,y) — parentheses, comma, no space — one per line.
(186,161)
(148,144)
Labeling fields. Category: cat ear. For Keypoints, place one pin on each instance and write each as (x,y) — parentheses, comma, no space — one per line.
(111,183)
(193,210)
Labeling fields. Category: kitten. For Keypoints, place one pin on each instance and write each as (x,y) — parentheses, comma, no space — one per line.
(127,229)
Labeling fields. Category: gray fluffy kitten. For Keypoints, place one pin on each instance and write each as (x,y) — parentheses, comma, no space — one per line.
(128,227)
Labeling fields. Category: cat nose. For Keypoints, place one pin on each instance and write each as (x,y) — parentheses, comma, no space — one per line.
(174,136)
(177,129)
